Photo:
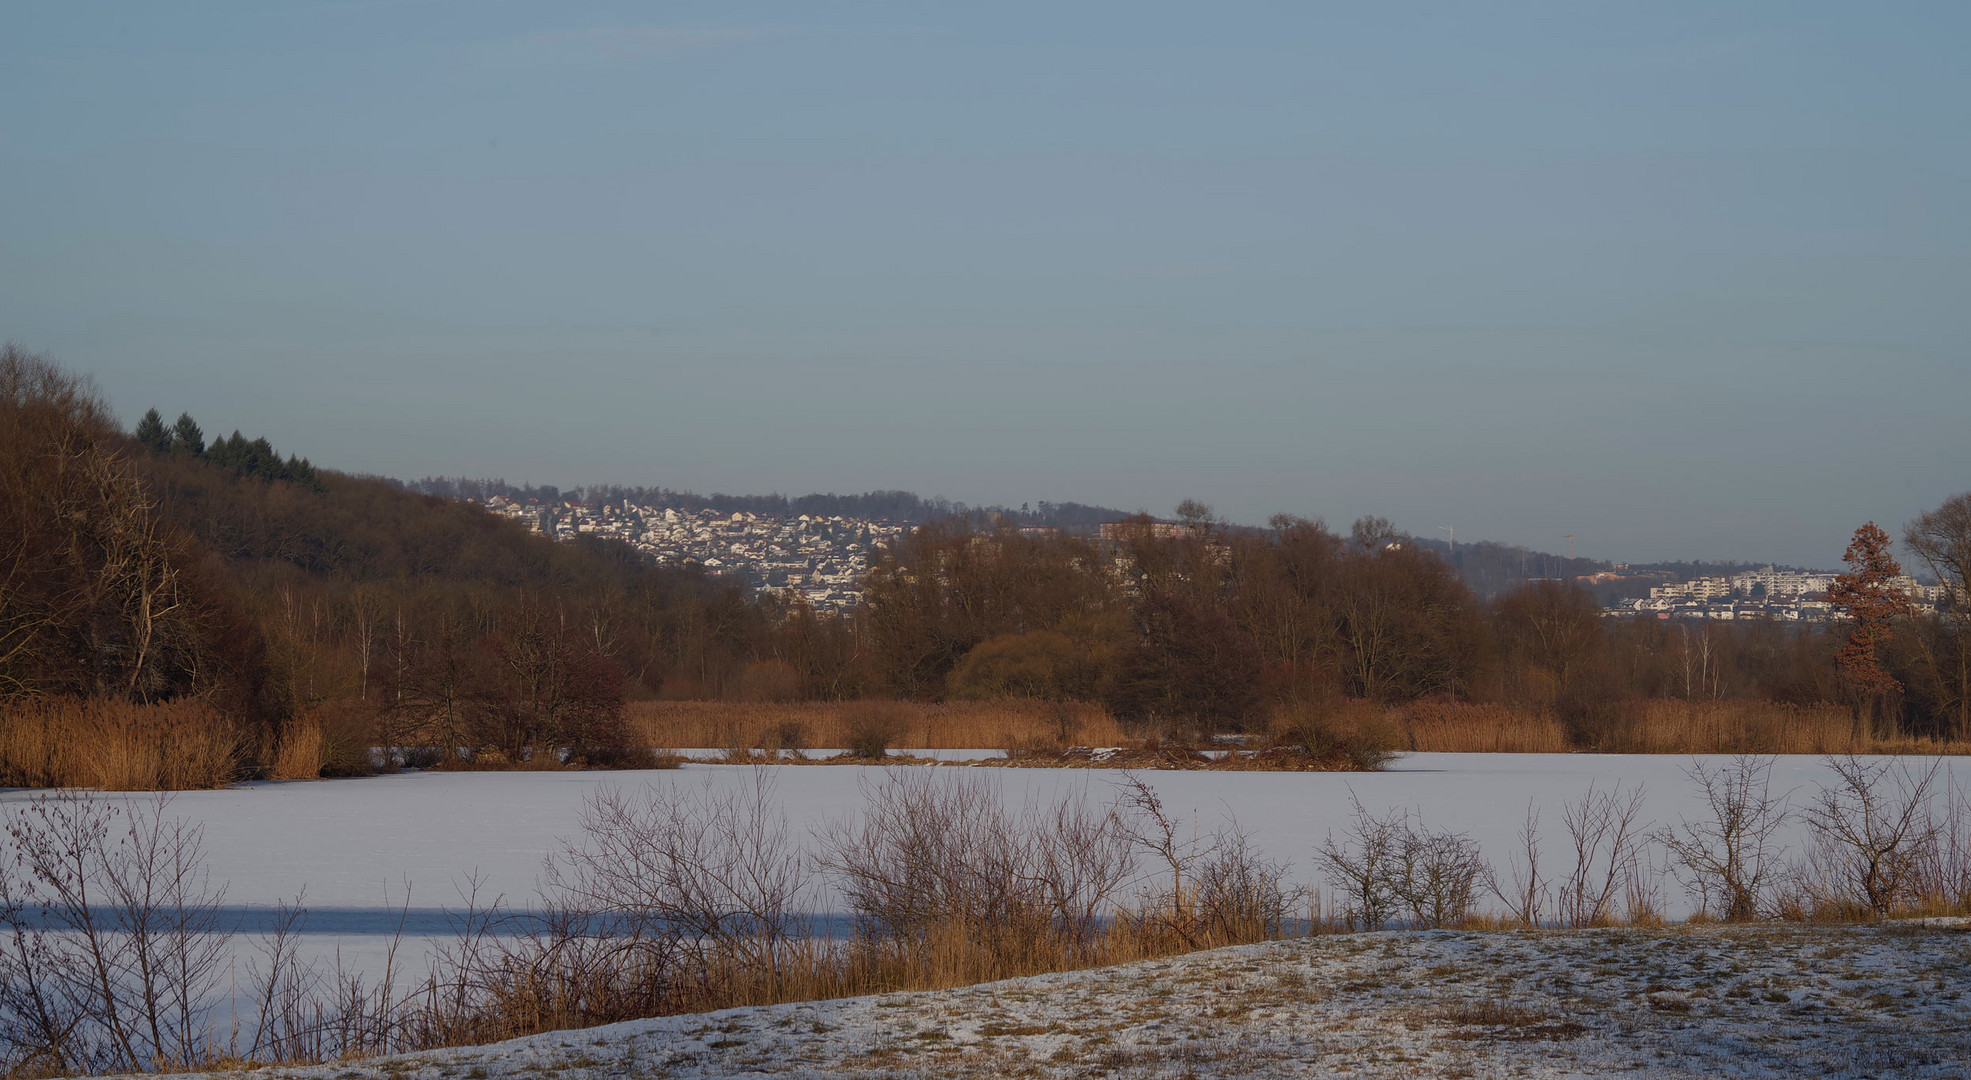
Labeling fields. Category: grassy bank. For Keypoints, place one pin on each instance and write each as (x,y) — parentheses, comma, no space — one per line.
(1632,727)
(117,746)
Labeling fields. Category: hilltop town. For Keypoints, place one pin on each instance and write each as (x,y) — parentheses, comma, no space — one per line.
(820,559)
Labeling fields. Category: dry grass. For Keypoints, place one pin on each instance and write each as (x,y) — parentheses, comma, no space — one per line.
(1732,727)
(117,746)
(1655,727)
(302,751)
(1465,727)
(1648,727)
(958,725)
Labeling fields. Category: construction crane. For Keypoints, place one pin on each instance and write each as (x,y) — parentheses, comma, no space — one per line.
(1452,535)
(1570,547)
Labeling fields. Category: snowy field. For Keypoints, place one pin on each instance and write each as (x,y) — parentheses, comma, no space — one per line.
(1749,1002)
(368,854)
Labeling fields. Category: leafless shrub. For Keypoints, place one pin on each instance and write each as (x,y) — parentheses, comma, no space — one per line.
(1873,833)
(933,850)
(873,727)
(1606,835)
(1218,890)
(284,989)
(1396,863)
(713,876)
(1239,895)
(1726,862)
(1154,830)
(1360,865)
(789,736)
(1529,894)
(1438,874)
(121,969)
(1946,867)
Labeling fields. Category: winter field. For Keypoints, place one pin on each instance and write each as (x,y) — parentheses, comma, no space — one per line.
(1752,1002)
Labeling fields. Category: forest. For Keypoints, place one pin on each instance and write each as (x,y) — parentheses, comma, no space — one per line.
(289,618)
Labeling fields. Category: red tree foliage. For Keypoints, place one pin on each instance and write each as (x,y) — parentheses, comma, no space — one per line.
(1869,594)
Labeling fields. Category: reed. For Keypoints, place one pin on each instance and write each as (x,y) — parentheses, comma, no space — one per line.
(1466,727)
(1757,727)
(301,752)
(957,725)
(117,746)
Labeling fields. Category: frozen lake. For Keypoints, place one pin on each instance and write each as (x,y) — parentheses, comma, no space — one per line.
(360,847)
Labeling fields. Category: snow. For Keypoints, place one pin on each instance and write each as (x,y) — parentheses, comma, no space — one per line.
(377,852)
(359,846)
(1748,1002)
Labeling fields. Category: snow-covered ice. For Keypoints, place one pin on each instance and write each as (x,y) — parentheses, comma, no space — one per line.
(363,849)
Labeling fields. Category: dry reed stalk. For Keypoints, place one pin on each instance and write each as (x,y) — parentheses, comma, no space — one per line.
(117,746)
(1474,727)
(302,751)
(943,726)
(1734,727)
(1654,727)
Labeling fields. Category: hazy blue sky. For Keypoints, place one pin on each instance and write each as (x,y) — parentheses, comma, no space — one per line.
(1683,279)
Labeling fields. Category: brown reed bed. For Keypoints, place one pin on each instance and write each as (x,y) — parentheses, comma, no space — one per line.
(1040,730)
(1468,727)
(117,746)
(957,725)
(1654,727)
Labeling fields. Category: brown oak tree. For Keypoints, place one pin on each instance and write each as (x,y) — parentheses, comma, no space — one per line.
(1869,594)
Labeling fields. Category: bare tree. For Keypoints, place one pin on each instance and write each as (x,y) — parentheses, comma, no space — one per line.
(123,970)
(1873,831)
(1438,874)
(1156,831)
(1385,865)
(1726,861)
(1942,539)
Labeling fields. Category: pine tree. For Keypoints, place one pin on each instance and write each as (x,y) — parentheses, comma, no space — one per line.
(152,433)
(186,436)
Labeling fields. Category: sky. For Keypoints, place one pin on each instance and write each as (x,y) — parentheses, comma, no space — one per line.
(1688,280)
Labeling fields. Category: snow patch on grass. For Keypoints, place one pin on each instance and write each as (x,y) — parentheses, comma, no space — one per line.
(1750,1002)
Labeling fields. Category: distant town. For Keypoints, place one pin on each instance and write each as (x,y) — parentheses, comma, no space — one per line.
(1766,593)
(821,559)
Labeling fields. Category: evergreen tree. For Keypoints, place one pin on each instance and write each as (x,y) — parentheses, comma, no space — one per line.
(152,433)
(186,436)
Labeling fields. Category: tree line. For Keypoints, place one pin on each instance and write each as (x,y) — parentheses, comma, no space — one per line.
(151,567)
(1208,627)
(148,567)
